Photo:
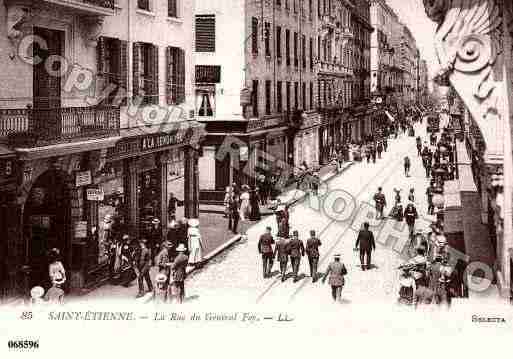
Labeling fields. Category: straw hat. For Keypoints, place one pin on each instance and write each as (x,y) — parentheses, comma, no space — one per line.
(37,292)
(161,278)
(193,222)
(155,221)
(181,248)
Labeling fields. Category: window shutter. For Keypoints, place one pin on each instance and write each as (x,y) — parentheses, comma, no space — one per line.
(123,71)
(155,74)
(205,33)
(169,76)
(181,76)
(136,69)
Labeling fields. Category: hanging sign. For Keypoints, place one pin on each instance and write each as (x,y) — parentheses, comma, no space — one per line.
(83,178)
(95,194)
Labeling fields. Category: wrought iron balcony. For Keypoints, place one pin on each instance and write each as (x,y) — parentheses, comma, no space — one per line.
(92,7)
(43,127)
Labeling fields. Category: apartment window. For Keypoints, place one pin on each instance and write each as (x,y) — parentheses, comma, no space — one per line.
(205,33)
(113,69)
(319,104)
(287,46)
(267,97)
(267,38)
(311,95)
(143,4)
(296,95)
(254,100)
(278,42)
(254,35)
(145,66)
(296,59)
(311,54)
(295,6)
(310,8)
(172,8)
(324,94)
(287,95)
(303,93)
(175,75)
(279,103)
(303,50)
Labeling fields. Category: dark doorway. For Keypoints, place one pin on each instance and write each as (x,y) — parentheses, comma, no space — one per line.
(223,173)
(47,88)
(47,223)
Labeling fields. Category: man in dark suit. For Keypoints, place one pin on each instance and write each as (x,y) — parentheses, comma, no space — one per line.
(336,271)
(178,270)
(281,253)
(312,250)
(296,251)
(233,215)
(265,248)
(365,242)
(143,264)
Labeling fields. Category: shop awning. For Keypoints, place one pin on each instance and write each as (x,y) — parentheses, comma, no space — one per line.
(390,117)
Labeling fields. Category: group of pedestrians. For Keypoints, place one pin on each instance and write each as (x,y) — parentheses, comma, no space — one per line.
(242,204)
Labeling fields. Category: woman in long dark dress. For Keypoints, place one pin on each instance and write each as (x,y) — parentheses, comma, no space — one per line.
(254,201)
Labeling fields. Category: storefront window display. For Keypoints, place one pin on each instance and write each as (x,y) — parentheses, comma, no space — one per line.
(111,209)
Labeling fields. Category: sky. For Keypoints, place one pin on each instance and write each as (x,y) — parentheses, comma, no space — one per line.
(411,13)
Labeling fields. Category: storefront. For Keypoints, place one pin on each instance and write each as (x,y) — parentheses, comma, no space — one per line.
(306,141)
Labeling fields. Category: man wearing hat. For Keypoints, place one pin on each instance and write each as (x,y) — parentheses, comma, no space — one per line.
(312,250)
(265,248)
(380,202)
(161,288)
(163,260)
(178,269)
(155,237)
(336,272)
(410,215)
(143,264)
(296,251)
(281,253)
(366,244)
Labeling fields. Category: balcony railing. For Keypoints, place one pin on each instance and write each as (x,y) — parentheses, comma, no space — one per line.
(94,7)
(43,127)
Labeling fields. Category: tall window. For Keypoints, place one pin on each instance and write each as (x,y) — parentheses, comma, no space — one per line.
(279,103)
(175,75)
(303,50)
(267,38)
(172,8)
(311,95)
(205,33)
(303,90)
(267,97)
(278,42)
(287,95)
(145,66)
(287,46)
(310,8)
(319,46)
(311,54)
(296,95)
(143,4)
(254,35)
(296,60)
(254,100)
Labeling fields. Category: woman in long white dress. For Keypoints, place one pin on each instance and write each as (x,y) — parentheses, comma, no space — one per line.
(244,203)
(195,243)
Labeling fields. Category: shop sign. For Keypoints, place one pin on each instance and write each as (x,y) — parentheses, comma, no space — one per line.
(244,153)
(81,229)
(95,194)
(83,179)
(161,140)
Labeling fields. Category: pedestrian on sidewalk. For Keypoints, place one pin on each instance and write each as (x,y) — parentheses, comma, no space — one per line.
(430,193)
(411,195)
(407,165)
(163,260)
(254,202)
(182,233)
(195,243)
(227,198)
(281,253)
(178,269)
(143,265)
(312,250)
(365,244)
(380,203)
(410,214)
(154,238)
(336,272)
(373,152)
(160,292)
(296,251)
(265,248)
(233,218)
(380,149)
(385,142)
(419,146)
(244,203)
